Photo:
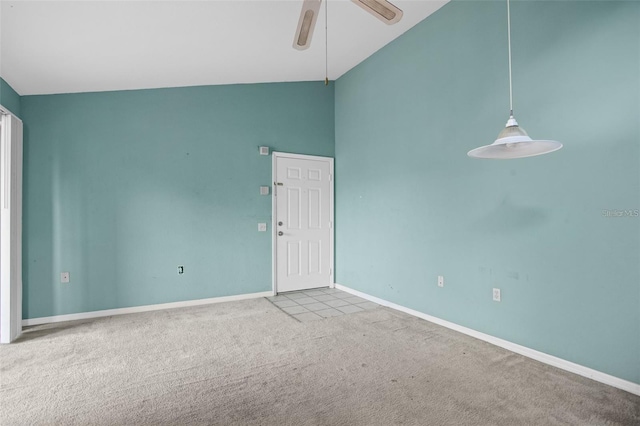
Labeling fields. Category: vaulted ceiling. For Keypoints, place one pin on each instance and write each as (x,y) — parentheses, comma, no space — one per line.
(83,46)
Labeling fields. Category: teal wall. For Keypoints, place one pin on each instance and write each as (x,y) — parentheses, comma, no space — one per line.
(411,205)
(122,187)
(9,98)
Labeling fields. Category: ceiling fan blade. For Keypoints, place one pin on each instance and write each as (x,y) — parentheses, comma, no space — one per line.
(306,24)
(381,9)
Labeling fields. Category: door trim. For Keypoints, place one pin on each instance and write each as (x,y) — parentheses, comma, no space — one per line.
(274,261)
(11,224)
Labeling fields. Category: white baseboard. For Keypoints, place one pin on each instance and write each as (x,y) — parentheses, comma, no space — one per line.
(563,364)
(146,308)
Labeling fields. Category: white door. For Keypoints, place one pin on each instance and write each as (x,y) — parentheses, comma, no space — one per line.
(303,225)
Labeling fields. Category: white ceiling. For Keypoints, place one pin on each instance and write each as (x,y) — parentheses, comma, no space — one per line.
(85,46)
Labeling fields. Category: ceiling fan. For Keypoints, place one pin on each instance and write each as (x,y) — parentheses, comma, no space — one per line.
(381,9)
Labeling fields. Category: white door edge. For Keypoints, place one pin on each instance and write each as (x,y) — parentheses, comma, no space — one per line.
(274,260)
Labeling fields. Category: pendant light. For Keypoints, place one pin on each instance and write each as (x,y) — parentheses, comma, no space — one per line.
(513,141)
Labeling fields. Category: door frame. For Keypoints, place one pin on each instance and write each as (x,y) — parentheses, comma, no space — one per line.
(274,248)
(11,250)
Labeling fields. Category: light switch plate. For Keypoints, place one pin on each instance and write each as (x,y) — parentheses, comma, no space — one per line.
(264,190)
(262,227)
(264,150)
(440,281)
(64,277)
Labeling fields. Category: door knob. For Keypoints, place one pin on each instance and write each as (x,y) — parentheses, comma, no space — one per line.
(279,223)
(281,233)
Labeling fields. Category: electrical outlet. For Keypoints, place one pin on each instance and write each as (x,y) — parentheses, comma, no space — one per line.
(496,295)
(180,270)
(440,281)
(64,277)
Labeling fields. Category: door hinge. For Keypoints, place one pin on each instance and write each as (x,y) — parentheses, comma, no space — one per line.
(275,188)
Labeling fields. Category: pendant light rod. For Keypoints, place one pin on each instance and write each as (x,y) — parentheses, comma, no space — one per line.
(326,43)
(509,47)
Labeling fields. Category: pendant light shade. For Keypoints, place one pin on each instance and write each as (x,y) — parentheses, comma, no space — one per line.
(513,141)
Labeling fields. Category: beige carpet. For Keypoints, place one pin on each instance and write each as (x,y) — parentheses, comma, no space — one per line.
(248,363)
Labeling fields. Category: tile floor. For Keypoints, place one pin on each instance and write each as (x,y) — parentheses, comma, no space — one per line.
(320,303)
